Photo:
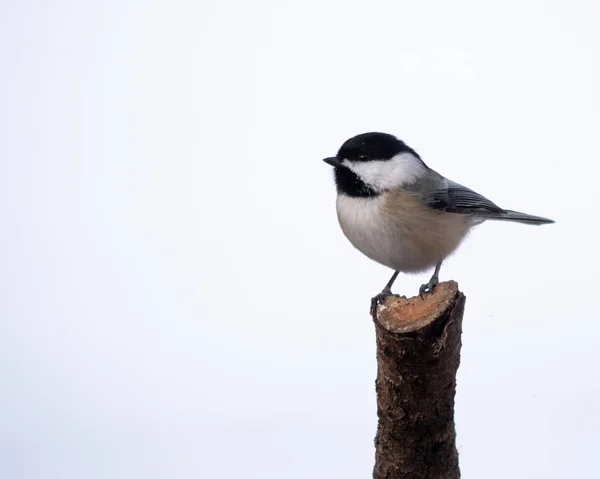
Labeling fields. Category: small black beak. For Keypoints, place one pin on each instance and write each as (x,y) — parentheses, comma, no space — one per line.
(333,161)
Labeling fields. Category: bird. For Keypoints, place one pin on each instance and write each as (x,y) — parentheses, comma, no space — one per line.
(402,214)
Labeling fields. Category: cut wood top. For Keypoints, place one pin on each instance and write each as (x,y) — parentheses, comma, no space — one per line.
(405,315)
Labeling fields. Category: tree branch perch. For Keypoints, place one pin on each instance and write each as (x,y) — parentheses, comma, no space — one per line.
(418,354)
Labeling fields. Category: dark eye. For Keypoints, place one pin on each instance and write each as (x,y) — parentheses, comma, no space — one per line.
(363,157)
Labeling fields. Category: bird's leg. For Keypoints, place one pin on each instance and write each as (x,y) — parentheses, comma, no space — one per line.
(386,292)
(428,287)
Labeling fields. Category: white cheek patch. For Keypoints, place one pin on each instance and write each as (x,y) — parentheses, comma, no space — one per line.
(401,170)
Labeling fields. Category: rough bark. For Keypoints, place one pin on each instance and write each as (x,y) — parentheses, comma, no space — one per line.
(418,353)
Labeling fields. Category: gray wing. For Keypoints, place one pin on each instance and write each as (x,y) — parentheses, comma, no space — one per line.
(442,194)
(456,198)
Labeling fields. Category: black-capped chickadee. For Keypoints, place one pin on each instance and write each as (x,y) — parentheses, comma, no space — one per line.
(402,214)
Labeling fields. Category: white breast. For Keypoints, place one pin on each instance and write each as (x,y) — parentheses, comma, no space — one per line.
(398,231)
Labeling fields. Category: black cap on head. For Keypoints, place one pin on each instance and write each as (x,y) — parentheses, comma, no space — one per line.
(373,146)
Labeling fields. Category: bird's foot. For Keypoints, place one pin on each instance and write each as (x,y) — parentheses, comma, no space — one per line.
(379,299)
(428,287)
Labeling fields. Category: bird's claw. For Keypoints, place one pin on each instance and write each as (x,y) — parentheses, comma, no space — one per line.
(428,287)
(379,299)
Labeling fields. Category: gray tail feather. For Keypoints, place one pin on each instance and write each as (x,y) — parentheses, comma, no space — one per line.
(508,215)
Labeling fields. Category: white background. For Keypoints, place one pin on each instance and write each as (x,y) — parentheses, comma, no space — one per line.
(176,298)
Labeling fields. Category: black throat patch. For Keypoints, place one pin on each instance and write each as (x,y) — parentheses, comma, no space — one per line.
(348,182)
